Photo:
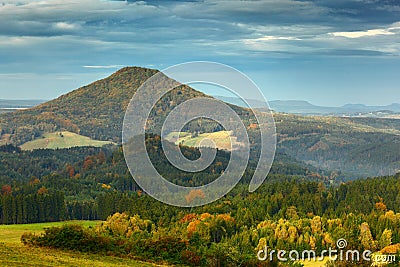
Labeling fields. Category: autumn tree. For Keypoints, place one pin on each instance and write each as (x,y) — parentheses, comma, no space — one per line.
(385,239)
(6,189)
(366,239)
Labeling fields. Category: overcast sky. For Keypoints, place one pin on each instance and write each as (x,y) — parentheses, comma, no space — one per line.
(329,52)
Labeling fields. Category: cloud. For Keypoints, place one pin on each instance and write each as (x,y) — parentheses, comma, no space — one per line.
(361,13)
(251,12)
(33,18)
(272,38)
(359,34)
(65,26)
(75,33)
(103,67)
(89,39)
(391,8)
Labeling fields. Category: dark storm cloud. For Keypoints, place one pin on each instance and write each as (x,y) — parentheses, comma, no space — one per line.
(311,42)
(200,28)
(365,12)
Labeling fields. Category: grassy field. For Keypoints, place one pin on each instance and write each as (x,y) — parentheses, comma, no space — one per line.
(14,253)
(62,140)
(221,139)
(12,233)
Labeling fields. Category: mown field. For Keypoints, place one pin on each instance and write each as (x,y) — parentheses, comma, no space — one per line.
(62,139)
(14,253)
(220,138)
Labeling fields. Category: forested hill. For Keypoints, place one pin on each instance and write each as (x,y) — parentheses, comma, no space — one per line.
(357,147)
(95,110)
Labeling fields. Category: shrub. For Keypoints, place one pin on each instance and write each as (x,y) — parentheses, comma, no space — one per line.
(72,237)
(165,248)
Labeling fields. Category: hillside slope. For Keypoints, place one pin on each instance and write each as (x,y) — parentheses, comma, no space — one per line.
(95,110)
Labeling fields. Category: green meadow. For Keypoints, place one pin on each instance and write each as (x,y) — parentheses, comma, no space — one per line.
(62,139)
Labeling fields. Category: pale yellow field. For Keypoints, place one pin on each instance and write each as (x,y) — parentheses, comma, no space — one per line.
(62,139)
(222,139)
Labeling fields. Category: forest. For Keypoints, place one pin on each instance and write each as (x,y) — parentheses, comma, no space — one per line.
(298,207)
(283,215)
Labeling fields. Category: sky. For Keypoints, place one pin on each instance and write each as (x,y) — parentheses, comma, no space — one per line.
(326,52)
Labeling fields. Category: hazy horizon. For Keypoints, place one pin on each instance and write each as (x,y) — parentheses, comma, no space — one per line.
(273,100)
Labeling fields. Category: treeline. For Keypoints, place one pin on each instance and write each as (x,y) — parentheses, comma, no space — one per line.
(275,199)
(21,166)
(41,206)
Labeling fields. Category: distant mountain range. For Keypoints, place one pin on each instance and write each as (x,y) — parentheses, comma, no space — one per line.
(285,106)
(306,108)
(19,104)
(10,105)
